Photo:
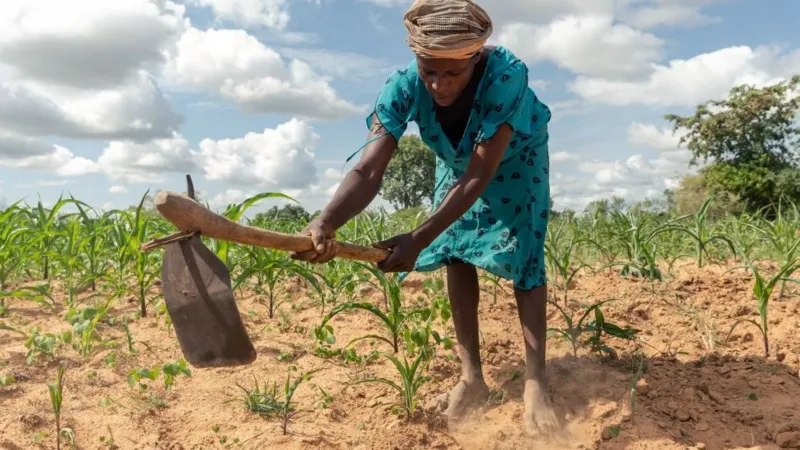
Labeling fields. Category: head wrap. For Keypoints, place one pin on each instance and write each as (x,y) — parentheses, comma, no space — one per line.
(448,29)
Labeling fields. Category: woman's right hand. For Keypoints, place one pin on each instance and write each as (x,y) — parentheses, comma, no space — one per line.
(322,236)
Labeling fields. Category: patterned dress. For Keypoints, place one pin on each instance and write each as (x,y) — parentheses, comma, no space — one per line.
(504,230)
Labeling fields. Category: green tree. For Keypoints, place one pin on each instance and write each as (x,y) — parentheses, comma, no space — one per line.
(693,192)
(750,141)
(288,212)
(410,176)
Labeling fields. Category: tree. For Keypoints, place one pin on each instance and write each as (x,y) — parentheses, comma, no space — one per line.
(410,176)
(750,141)
(288,212)
(693,192)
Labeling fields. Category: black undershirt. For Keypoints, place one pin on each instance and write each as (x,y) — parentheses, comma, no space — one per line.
(454,117)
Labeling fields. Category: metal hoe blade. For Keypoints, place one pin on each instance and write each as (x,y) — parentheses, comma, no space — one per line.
(200,302)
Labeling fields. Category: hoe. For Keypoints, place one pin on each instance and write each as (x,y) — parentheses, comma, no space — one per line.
(197,284)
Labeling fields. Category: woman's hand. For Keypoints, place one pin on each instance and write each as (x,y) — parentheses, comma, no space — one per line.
(322,236)
(404,248)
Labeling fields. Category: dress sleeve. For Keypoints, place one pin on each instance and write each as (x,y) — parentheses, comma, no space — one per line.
(509,100)
(395,103)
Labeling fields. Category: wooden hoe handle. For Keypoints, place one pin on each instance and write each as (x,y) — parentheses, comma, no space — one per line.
(188,215)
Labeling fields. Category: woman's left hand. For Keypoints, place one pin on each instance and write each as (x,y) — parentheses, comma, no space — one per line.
(404,252)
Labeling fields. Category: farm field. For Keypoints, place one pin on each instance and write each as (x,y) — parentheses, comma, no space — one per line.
(666,333)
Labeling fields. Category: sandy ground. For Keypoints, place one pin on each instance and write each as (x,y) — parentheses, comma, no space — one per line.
(687,396)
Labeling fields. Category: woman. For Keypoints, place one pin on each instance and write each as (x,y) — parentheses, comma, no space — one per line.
(489,131)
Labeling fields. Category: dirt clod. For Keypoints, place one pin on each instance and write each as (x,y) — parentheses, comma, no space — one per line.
(789,439)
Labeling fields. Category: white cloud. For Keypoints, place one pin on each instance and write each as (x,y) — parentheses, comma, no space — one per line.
(239,67)
(148,162)
(347,65)
(118,189)
(388,3)
(28,153)
(46,183)
(90,44)
(638,13)
(249,13)
(312,196)
(230,196)
(587,45)
(81,69)
(658,13)
(687,82)
(563,157)
(137,110)
(635,178)
(649,135)
(279,158)
(540,85)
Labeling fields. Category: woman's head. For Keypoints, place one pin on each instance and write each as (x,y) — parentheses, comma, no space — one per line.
(448,38)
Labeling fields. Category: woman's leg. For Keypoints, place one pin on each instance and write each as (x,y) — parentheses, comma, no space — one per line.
(532,308)
(463,289)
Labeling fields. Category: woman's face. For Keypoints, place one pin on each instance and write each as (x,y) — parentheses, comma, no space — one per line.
(445,79)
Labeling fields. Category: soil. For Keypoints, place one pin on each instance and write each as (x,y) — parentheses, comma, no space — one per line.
(691,390)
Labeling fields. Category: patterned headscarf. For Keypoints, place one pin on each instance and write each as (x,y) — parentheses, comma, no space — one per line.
(450,29)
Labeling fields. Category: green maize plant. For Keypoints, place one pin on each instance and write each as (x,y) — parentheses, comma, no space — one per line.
(640,245)
(56,400)
(44,223)
(119,256)
(393,319)
(39,294)
(598,228)
(70,257)
(94,247)
(594,327)
(495,282)
(334,281)
(559,257)
(368,227)
(412,378)
(141,225)
(743,232)
(235,212)
(782,235)
(12,249)
(269,267)
(702,235)
(84,325)
(762,291)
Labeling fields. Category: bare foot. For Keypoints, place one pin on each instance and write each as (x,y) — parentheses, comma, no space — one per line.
(465,396)
(539,414)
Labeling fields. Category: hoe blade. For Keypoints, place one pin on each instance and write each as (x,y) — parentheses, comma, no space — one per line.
(200,302)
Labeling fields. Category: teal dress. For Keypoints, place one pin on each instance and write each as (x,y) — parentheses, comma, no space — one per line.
(504,230)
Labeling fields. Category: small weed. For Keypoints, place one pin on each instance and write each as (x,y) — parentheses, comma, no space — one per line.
(271,402)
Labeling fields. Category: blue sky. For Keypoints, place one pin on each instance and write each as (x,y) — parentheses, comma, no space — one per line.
(105,100)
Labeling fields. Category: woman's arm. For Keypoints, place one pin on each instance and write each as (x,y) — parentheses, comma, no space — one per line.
(358,189)
(363,182)
(482,167)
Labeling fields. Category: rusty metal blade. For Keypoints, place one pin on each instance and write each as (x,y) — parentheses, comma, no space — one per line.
(200,302)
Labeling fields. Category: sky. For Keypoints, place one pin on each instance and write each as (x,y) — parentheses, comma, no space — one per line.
(105,100)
